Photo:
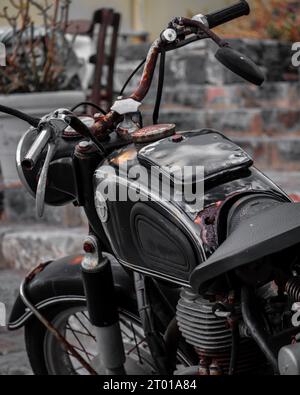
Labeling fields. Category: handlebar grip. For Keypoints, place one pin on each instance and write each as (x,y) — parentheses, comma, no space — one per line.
(37,147)
(228,14)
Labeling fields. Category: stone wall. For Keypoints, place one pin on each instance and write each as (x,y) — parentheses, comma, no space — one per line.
(199,92)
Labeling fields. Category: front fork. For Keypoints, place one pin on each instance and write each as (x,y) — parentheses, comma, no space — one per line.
(102,307)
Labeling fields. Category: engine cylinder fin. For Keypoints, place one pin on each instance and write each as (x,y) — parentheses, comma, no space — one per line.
(211,336)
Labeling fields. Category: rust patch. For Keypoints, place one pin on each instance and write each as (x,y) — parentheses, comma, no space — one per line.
(104,124)
(77,260)
(124,157)
(207,221)
(153,133)
(37,270)
(148,72)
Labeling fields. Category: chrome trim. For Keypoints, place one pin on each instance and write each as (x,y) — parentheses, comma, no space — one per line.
(48,302)
(19,159)
(155,274)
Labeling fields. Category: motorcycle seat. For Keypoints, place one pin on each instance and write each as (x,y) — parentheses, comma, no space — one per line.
(267,233)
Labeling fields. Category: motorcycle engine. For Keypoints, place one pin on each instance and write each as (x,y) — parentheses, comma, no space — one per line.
(212,321)
(210,332)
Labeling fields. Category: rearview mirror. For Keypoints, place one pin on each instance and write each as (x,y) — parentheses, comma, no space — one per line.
(240,65)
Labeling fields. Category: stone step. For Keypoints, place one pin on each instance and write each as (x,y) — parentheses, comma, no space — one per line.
(282,94)
(288,181)
(272,153)
(196,64)
(254,121)
(24,247)
(270,136)
(18,206)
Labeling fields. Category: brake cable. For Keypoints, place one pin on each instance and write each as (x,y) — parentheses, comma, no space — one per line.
(160,86)
(89,104)
(131,76)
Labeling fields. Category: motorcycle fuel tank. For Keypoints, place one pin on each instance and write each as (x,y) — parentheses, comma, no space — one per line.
(159,202)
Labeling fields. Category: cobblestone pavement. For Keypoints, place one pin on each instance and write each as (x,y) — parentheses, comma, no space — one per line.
(13,358)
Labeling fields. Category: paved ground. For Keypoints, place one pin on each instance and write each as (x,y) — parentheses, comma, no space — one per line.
(13,359)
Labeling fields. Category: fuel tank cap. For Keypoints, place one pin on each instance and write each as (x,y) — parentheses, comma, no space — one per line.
(153,133)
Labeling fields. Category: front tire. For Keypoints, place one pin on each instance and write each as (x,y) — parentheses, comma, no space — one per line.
(47,356)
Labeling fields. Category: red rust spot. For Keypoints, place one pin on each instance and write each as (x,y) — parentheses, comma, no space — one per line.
(219,204)
(38,269)
(77,260)
(295,198)
(124,157)
(206,220)
(104,123)
(153,133)
(147,76)
(177,138)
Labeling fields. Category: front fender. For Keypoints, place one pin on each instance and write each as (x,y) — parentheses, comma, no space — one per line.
(61,282)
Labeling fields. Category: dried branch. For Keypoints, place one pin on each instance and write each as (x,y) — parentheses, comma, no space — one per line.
(36,61)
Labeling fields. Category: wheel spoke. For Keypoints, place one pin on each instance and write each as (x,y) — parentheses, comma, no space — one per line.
(80,333)
(78,330)
(82,324)
(89,355)
(136,344)
(82,346)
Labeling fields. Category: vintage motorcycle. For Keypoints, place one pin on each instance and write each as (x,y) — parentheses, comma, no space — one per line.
(209,286)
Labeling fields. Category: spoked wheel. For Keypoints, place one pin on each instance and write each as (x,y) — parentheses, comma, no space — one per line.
(76,327)
(47,356)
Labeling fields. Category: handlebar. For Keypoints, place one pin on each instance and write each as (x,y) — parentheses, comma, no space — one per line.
(228,14)
(21,115)
(105,123)
(36,149)
(51,129)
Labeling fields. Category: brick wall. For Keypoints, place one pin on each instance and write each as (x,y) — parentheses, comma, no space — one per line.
(199,92)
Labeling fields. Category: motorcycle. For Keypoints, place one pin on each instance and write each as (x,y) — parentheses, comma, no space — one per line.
(166,284)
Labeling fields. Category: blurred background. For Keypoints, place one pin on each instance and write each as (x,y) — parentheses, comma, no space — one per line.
(62,52)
